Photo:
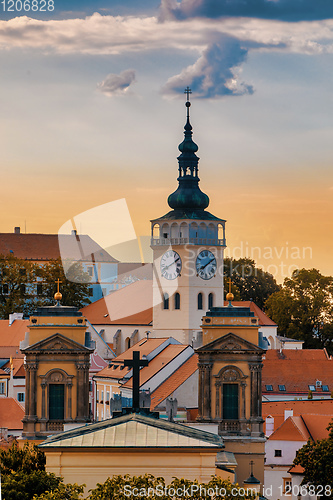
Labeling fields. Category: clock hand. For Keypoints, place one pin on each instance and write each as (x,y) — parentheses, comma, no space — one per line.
(203,267)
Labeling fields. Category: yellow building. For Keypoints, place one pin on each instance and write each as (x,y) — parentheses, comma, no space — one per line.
(57,359)
(230,364)
(134,444)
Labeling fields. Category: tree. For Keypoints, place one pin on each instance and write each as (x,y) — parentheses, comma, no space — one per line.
(23,476)
(148,486)
(74,285)
(26,285)
(16,290)
(303,308)
(248,281)
(316,458)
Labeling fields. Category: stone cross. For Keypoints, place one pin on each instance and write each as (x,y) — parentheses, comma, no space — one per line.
(135,363)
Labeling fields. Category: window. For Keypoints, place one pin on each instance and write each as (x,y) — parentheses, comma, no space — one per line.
(269,387)
(40,289)
(312,388)
(325,388)
(107,396)
(97,396)
(90,385)
(278,453)
(177,300)
(287,486)
(102,397)
(56,401)
(2,387)
(230,401)
(210,301)
(20,397)
(282,387)
(90,271)
(200,301)
(91,292)
(165,301)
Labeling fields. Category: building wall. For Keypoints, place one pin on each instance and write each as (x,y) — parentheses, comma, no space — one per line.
(95,466)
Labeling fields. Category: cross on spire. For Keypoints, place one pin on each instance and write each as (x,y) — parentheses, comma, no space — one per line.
(188,91)
(135,363)
(229,282)
(58,284)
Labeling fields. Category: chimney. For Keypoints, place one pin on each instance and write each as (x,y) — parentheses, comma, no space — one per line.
(288,413)
(74,232)
(17,230)
(269,425)
(13,317)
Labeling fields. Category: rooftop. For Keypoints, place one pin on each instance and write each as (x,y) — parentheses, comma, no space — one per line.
(134,431)
(11,414)
(131,305)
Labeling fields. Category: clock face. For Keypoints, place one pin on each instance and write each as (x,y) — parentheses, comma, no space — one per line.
(206,265)
(171,265)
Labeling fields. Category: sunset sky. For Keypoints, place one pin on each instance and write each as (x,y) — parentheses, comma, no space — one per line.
(92,111)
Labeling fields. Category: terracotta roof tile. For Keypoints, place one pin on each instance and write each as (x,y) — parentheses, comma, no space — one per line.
(11,335)
(317,425)
(157,363)
(10,351)
(296,369)
(11,414)
(45,247)
(276,409)
(296,469)
(174,381)
(292,429)
(144,346)
(18,368)
(264,320)
(131,305)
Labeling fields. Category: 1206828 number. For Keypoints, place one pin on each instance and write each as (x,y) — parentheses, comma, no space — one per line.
(27,5)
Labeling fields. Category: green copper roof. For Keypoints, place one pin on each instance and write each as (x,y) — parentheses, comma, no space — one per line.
(134,431)
(188,214)
(230,311)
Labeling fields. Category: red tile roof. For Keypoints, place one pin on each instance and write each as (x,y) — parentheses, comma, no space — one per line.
(18,368)
(264,320)
(174,381)
(296,469)
(10,351)
(11,414)
(45,247)
(144,346)
(302,428)
(11,335)
(276,409)
(296,369)
(131,305)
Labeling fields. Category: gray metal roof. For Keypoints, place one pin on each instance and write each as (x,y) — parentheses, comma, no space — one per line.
(134,431)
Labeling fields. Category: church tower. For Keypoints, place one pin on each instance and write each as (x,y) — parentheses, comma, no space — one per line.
(188,244)
(57,359)
(230,365)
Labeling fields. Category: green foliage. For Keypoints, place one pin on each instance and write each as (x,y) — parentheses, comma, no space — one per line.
(21,280)
(303,308)
(27,459)
(74,286)
(317,460)
(121,487)
(63,492)
(248,281)
(23,486)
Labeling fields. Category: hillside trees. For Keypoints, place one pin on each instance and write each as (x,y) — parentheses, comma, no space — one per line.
(303,308)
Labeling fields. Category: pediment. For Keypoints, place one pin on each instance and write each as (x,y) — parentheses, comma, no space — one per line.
(56,344)
(230,343)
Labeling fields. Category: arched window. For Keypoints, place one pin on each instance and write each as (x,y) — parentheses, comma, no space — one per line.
(127,343)
(200,301)
(177,300)
(210,300)
(165,301)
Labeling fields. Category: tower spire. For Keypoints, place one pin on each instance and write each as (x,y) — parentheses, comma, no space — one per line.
(188,196)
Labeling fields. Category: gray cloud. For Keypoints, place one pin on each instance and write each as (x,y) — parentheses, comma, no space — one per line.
(282,10)
(215,73)
(117,84)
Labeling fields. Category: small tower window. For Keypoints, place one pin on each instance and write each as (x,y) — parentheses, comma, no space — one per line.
(177,300)
(165,301)
(200,301)
(210,300)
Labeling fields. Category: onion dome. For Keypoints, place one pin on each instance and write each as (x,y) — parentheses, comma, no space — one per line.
(188,195)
